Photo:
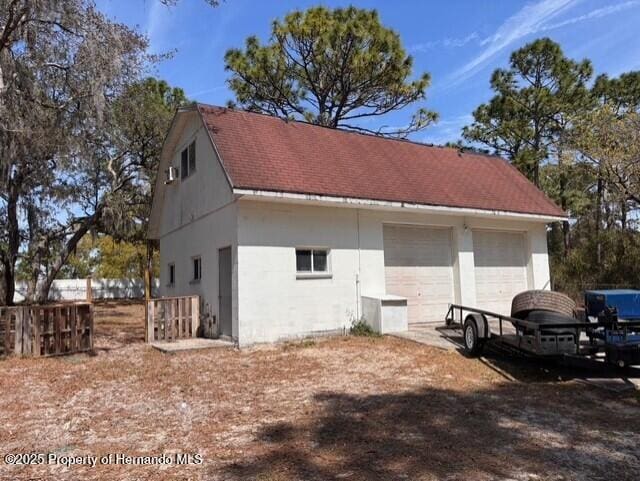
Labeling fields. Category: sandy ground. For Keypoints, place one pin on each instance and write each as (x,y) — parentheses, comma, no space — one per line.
(341,408)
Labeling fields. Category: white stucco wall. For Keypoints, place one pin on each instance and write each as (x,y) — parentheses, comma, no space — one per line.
(275,304)
(202,238)
(204,191)
(199,216)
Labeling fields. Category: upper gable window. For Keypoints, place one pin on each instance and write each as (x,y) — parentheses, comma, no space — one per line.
(188,160)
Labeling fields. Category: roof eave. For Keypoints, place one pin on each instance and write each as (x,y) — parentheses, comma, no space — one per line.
(302,198)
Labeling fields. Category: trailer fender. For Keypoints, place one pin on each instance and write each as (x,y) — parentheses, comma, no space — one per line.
(482,325)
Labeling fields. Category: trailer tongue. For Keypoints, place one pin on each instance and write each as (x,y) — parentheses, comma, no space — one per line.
(603,334)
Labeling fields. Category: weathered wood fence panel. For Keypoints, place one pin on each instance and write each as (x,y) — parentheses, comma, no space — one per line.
(46,330)
(172,318)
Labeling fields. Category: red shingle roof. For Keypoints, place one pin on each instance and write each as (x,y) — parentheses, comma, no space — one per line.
(266,153)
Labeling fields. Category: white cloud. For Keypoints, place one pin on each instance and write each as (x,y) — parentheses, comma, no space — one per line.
(156,25)
(530,19)
(193,95)
(446,43)
(597,13)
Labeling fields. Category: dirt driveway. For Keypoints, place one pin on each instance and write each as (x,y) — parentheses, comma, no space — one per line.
(342,408)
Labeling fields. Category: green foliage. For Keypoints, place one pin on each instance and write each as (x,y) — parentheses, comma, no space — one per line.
(82,263)
(106,257)
(618,267)
(120,259)
(142,116)
(329,67)
(62,173)
(534,98)
(582,148)
(579,177)
(466,147)
(361,328)
(621,94)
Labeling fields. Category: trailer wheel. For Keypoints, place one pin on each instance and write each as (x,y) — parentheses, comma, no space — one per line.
(472,343)
(551,301)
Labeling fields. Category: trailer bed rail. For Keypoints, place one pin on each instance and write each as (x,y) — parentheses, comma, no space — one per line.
(541,339)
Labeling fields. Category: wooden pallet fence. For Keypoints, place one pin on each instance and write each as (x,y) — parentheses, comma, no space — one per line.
(172,318)
(46,330)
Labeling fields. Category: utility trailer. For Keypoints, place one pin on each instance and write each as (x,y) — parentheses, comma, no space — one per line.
(617,339)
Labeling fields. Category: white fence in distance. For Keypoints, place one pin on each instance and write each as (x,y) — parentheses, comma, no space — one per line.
(76,289)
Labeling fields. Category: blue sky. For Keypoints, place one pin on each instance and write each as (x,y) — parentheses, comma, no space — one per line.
(459,42)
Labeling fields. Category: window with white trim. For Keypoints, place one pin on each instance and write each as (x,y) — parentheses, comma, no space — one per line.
(172,274)
(188,161)
(312,261)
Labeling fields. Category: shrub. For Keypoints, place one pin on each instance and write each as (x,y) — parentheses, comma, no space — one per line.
(361,328)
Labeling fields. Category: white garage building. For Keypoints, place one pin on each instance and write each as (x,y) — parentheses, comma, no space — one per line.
(287,229)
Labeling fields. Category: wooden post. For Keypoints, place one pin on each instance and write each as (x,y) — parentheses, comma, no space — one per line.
(166,315)
(147,286)
(35,331)
(44,332)
(87,325)
(57,329)
(89,290)
(90,313)
(27,321)
(73,325)
(150,329)
(195,315)
(6,320)
(17,348)
(180,318)
(170,319)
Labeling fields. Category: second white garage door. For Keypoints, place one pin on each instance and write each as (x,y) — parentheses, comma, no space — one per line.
(500,269)
(418,266)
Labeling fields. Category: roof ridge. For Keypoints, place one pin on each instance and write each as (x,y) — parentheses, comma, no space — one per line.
(460,151)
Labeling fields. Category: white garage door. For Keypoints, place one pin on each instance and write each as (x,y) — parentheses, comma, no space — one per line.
(417,264)
(501,271)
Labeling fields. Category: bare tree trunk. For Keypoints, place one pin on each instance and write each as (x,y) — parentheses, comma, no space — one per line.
(623,214)
(563,200)
(10,257)
(34,254)
(42,290)
(600,189)
(3,287)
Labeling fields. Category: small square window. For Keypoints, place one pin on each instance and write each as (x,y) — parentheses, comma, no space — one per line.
(197,268)
(312,261)
(172,274)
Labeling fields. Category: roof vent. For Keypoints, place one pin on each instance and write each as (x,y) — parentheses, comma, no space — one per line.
(172,174)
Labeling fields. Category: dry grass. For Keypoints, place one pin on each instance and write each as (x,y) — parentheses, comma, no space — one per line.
(341,408)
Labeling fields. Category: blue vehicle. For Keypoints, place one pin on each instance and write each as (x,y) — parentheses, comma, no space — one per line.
(618,310)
